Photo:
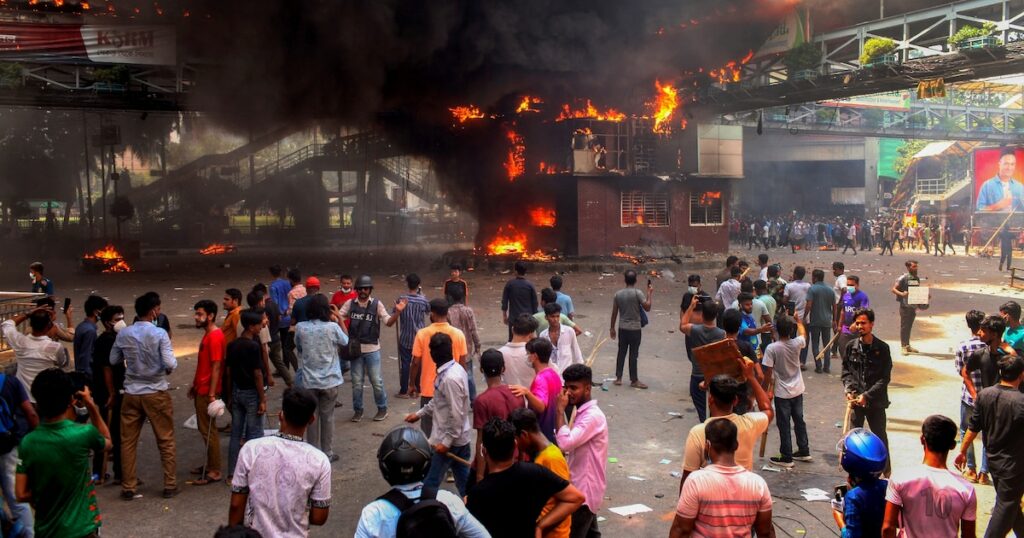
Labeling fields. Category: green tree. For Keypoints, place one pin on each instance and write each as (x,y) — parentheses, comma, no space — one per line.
(906,154)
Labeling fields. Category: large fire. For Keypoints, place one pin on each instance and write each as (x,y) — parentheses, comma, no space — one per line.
(665,103)
(510,240)
(590,112)
(463,114)
(515,161)
(110,259)
(542,217)
(216,248)
(526,104)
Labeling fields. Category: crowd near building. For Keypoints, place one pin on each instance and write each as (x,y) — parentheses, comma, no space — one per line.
(527,448)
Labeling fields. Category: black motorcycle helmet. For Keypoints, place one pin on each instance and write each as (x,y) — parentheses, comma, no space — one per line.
(364,281)
(404,456)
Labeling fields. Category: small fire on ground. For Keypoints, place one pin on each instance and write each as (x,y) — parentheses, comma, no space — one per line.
(510,241)
(217,248)
(108,259)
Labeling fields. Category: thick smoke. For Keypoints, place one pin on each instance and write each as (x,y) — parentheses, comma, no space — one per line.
(398,66)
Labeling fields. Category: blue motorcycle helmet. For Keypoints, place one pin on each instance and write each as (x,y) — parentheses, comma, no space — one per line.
(862,454)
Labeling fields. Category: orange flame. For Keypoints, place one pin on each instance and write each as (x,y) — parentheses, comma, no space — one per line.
(509,240)
(633,259)
(665,103)
(463,114)
(524,105)
(542,217)
(111,258)
(217,248)
(547,168)
(590,112)
(732,71)
(515,161)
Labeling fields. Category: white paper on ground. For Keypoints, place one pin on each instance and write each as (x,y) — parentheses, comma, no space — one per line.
(814,491)
(637,478)
(816,497)
(630,509)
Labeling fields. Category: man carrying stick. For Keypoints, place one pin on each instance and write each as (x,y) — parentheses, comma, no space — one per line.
(452,431)
(867,367)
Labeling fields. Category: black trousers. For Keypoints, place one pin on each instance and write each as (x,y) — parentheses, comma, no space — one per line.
(1006,514)
(876,422)
(886,245)
(288,349)
(1007,255)
(850,244)
(907,316)
(629,340)
(584,523)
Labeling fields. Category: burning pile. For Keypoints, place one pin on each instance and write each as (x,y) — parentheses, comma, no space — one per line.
(106,259)
(217,248)
(463,114)
(510,241)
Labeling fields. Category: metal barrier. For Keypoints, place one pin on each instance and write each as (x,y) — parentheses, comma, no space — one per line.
(14,303)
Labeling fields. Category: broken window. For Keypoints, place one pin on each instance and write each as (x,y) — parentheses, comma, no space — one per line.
(639,208)
(706,208)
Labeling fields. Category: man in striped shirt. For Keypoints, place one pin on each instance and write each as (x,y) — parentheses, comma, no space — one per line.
(723,499)
(964,350)
(410,320)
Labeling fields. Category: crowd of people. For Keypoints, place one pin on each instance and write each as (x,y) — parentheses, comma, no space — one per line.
(532,432)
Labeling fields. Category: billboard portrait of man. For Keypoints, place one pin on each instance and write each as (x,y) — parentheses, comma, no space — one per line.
(1003,192)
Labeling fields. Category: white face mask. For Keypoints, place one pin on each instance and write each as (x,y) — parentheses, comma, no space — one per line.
(692,290)
(119,325)
(32,277)
(346,290)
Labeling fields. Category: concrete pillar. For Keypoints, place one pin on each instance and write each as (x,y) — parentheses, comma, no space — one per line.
(870,177)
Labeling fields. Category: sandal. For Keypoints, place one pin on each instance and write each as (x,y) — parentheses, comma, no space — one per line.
(205,480)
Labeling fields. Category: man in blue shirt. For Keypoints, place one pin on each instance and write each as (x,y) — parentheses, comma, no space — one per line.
(562,299)
(148,358)
(40,284)
(1002,192)
(85,334)
(410,320)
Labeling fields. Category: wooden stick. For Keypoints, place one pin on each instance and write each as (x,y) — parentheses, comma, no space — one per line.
(458,459)
(828,345)
(994,234)
(764,436)
(593,353)
(846,419)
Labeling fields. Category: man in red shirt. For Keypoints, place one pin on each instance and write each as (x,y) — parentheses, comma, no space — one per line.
(206,388)
(496,401)
(345,294)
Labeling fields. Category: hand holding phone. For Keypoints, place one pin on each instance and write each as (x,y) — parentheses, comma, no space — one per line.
(67,304)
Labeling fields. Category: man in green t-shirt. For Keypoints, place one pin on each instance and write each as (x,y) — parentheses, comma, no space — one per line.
(54,459)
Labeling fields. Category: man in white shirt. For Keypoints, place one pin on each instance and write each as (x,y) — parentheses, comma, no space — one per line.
(518,370)
(796,292)
(781,359)
(566,349)
(730,289)
(34,352)
(282,484)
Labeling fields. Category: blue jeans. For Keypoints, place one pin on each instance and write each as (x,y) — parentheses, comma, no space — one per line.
(820,337)
(472,382)
(786,408)
(244,422)
(699,397)
(22,512)
(404,365)
(439,465)
(965,418)
(368,366)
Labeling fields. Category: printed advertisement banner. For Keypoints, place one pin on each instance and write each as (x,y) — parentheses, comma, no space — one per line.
(108,44)
(998,177)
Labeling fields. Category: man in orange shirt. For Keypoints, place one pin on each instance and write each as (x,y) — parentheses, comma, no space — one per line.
(530,440)
(206,388)
(232,313)
(423,371)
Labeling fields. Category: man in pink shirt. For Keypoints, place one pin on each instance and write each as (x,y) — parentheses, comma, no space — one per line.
(928,500)
(723,499)
(542,396)
(585,443)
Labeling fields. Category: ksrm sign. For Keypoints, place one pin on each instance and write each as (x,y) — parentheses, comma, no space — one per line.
(108,44)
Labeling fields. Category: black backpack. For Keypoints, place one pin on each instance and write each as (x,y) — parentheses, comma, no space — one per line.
(426,518)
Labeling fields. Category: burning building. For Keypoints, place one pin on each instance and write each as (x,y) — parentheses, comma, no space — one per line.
(593,185)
